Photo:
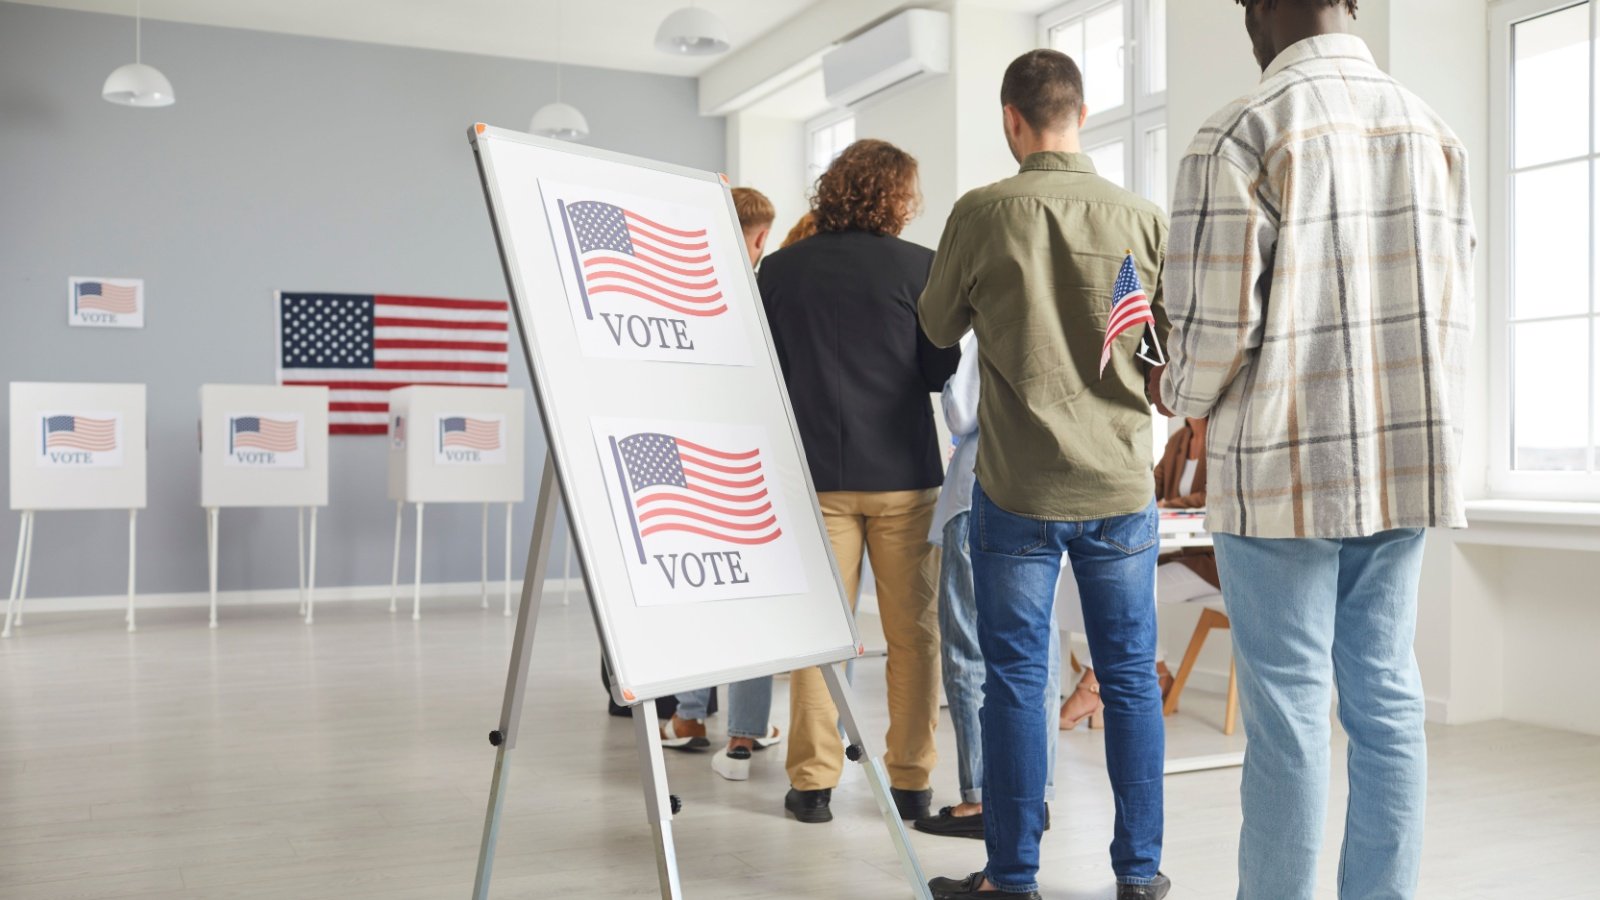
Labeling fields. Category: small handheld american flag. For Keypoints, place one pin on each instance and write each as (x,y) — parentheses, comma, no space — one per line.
(1130,308)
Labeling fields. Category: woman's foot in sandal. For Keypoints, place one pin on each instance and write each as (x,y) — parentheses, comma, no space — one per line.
(1083,704)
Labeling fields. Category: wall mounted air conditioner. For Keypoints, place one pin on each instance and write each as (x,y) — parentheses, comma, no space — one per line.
(911,47)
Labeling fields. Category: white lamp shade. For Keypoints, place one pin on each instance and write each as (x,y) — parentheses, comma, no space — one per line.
(137,84)
(561,121)
(692,31)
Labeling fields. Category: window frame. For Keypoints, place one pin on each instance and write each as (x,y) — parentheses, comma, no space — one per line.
(1504,480)
(813,126)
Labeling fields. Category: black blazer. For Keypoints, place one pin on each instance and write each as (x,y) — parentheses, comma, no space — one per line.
(843,311)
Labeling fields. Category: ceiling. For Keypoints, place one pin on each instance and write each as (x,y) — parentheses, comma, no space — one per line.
(614,34)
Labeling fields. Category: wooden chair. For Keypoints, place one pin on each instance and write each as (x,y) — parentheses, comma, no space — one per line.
(1210,618)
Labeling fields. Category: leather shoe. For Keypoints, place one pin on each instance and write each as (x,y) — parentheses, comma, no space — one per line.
(810,807)
(1155,890)
(967,889)
(912,804)
(947,824)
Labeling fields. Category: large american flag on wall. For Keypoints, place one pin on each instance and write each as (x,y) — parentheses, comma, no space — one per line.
(361,346)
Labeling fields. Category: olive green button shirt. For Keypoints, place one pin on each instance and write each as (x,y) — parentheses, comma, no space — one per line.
(1029,264)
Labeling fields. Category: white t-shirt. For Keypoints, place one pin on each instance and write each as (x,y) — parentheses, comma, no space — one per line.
(1186,483)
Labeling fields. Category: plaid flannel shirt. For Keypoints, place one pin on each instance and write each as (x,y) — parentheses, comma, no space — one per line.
(1319,280)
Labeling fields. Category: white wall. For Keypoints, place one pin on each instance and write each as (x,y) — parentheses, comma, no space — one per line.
(768,154)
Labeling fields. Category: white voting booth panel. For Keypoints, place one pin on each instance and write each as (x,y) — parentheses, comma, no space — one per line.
(264,445)
(74,446)
(673,448)
(454,445)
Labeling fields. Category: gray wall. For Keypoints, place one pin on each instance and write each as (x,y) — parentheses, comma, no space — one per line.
(288,162)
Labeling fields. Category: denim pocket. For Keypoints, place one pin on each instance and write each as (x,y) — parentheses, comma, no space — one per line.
(1132,534)
(1006,533)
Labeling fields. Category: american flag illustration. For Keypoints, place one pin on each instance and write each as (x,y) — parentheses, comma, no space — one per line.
(469,433)
(261,433)
(361,346)
(1130,307)
(671,485)
(102,297)
(616,251)
(80,433)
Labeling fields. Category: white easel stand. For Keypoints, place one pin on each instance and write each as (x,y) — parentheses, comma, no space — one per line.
(19,572)
(416,583)
(659,805)
(307,587)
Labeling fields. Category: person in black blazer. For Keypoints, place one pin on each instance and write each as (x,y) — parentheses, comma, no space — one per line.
(842,306)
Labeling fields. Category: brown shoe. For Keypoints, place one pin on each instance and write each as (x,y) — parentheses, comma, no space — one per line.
(684,734)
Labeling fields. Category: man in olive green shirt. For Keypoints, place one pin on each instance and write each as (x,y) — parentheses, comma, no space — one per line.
(1064,467)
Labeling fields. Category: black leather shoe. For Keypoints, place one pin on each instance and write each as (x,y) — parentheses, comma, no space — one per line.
(912,804)
(967,889)
(810,807)
(1155,890)
(946,824)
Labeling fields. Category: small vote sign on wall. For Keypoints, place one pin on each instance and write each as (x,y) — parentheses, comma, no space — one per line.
(105,302)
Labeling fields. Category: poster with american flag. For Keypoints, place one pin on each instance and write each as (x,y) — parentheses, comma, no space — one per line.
(647,279)
(699,513)
(266,440)
(469,439)
(105,302)
(361,346)
(76,439)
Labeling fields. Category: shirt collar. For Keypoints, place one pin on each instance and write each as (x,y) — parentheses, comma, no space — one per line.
(1056,161)
(1323,46)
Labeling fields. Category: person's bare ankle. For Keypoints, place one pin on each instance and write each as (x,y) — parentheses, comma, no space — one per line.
(962,810)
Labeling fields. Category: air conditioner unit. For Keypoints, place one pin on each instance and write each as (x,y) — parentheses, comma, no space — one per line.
(912,46)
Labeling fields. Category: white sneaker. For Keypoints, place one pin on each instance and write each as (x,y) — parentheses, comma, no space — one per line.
(733,765)
(773,738)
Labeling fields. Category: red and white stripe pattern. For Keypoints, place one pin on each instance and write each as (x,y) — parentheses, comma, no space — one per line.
(271,435)
(627,255)
(80,433)
(361,347)
(103,297)
(687,488)
(470,433)
(1130,307)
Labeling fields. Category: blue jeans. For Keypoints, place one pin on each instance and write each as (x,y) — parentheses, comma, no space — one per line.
(749,706)
(963,665)
(1309,615)
(1015,563)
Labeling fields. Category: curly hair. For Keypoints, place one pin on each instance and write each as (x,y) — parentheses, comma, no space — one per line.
(1349,5)
(871,186)
(806,227)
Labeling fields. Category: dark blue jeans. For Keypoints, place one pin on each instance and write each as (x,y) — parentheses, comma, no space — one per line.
(1015,563)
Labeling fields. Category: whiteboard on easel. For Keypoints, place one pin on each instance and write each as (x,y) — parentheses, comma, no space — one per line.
(681,467)
(77,446)
(263,445)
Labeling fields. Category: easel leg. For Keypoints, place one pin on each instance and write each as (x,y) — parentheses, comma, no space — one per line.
(856,751)
(657,802)
(508,561)
(311,572)
(16,568)
(211,558)
(394,576)
(484,572)
(416,581)
(133,559)
(300,552)
(27,567)
(505,737)
(566,571)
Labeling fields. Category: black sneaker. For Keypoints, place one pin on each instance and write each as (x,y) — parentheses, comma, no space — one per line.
(967,889)
(947,824)
(1155,890)
(810,807)
(912,804)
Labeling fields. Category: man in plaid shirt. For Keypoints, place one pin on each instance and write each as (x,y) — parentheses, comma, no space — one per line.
(1319,280)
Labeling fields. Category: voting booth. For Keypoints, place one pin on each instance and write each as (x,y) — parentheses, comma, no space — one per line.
(264,446)
(454,445)
(673,449)
(74,446)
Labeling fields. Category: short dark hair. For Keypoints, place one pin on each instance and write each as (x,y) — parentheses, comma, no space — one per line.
(1046,87)
(1349,5)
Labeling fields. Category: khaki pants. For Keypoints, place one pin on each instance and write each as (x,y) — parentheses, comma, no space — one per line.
(892,527)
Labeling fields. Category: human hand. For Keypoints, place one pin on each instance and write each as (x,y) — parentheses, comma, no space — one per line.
(1152,391)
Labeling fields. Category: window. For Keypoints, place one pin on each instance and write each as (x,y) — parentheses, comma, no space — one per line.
(826,138)
(1121,45)
(1545,319)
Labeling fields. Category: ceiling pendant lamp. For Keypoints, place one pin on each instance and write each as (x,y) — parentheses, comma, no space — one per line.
(692,31)
(137,84)
(558,120)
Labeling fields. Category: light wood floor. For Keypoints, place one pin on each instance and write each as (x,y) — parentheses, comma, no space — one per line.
(349,760)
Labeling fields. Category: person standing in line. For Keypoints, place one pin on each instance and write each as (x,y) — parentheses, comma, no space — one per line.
(961,659)
(1032,265)
(842,307)
(1321,283)
(749,702)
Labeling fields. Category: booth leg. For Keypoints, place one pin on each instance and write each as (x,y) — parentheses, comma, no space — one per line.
(133,559)
(212,521)
(300,552)
(394,575)
(16,569)
(27,567)
(311,572)
(483,572)
(416,581)
(508,561)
